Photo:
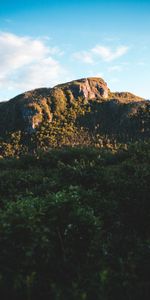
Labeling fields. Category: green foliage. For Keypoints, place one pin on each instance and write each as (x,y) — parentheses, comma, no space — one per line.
(77,122)
(74,224)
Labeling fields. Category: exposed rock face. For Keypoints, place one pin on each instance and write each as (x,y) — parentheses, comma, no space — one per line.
(89,88)
(27,111)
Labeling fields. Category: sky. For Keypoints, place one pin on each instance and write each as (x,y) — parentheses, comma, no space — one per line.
(44,43)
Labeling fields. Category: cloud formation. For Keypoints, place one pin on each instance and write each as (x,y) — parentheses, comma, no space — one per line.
(100,52)
(84,56)
(107,54)
(27,63)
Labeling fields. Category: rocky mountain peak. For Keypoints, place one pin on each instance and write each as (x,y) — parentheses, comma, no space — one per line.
(28,110)
(89,88)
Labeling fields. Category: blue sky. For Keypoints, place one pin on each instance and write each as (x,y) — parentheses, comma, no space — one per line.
(43,43)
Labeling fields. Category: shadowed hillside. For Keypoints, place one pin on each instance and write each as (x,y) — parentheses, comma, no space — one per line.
(80,112)
(74,194)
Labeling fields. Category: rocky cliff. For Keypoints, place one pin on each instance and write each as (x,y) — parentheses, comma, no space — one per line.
(27,111)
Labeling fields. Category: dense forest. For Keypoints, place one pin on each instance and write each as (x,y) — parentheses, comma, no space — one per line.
(74,194)
(75,224)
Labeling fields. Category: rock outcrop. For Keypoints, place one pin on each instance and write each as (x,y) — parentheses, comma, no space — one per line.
(89,88)
(27,111)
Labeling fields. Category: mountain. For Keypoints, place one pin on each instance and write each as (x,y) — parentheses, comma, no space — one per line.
(28,110)
(74,221)
(87,106)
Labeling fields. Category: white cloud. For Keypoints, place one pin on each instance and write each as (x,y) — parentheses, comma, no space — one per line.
(84,56)
(107,54)
(100,52)
(27,63)
(47,72)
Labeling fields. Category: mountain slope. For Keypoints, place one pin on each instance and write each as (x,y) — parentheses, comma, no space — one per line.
(74,113)
(28,110)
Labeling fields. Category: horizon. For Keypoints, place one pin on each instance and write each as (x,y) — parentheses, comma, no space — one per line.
(43,44)
(76,79)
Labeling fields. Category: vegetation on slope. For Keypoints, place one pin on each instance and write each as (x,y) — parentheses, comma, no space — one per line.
(75,113)
(96,124)
(74,194)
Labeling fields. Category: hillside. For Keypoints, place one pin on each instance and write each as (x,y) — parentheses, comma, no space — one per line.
(74,194)
(27,111)
(79,112)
